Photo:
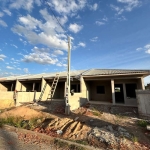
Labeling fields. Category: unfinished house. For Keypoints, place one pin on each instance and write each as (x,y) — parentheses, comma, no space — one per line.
(96,86)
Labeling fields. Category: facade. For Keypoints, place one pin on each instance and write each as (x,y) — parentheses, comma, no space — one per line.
(97,86)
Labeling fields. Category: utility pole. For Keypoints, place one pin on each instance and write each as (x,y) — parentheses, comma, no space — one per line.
(67,92)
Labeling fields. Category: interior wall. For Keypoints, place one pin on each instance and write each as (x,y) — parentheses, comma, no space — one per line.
(59,92)
(94,96)
(76,83)
(7,86)
(128,100)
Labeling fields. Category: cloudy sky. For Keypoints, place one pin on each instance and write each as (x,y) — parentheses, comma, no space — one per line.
(110,34)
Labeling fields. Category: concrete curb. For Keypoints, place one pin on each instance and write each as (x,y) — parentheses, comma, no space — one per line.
(46,137)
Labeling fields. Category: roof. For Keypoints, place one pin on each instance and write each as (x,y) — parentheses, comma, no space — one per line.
(93,72)
(90,72)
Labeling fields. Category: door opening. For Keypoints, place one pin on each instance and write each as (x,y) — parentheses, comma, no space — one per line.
(119,96)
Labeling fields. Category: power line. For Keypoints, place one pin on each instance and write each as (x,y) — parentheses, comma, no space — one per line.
(55,16)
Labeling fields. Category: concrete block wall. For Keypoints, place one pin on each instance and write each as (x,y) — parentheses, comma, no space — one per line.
(78,99)
(6,100)
(143,99)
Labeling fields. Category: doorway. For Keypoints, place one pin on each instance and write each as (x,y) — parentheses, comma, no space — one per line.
(119,96)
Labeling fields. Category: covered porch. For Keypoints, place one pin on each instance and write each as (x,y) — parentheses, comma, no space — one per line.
(116,91)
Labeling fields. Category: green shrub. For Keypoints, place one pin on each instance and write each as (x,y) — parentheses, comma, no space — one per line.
(142,123)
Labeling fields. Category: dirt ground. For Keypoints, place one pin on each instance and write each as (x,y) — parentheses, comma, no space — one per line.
(80,122)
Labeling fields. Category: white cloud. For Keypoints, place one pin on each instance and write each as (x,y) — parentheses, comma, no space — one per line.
(61,64)
(94,39)
(100,23)
(41,50)
(130,4)
(3,23)
(117,9)
(75,27)
(94,7)
(9,67)
(18,68)
(2,57)
(105,18)
(138,49)
(25,4)
(121,18)
(49,34)
(67,7)
(40,58)
(82,44)
(58,52)
(147,51)
(26,70)
(1,14)
(147,46)
(7,12)
(14,45)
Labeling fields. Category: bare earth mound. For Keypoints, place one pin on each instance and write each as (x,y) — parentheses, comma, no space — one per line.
(22,111)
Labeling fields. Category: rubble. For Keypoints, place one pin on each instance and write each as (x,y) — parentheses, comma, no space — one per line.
(109,136)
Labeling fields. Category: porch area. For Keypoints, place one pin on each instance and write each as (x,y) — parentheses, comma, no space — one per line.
(119,92)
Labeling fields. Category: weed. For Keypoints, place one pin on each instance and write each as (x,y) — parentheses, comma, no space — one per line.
(60,143)
(134,139)
(33,122)
(142,123)
(2,122)
(84,142)
(121,116)
(19,122)
(75,147)
(95,112)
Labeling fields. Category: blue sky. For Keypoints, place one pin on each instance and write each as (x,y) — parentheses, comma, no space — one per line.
(106,34)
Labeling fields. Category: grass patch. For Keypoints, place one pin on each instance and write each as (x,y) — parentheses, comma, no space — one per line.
(121,116)
(19,122)
(142,123)
(95,112)
(84,142)
(134,139)
(75,147)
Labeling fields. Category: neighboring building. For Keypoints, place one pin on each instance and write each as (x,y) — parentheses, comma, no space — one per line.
(97,86)
(147,86)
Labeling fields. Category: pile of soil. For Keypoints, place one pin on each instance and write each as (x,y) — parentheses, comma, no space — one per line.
(22,111)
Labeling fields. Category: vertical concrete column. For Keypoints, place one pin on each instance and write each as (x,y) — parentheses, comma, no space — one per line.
(65,89)
(18,85)
(82,86)
(113,91)
(124,92)
(142,83)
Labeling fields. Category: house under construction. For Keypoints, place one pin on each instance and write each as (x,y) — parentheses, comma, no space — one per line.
(96,86)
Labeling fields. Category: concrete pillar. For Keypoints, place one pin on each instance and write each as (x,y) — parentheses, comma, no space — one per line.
(113,91)
(124,93)
(65,89)
(18,86)
(142,83)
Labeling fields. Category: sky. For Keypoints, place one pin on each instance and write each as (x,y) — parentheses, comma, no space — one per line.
(105,34)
